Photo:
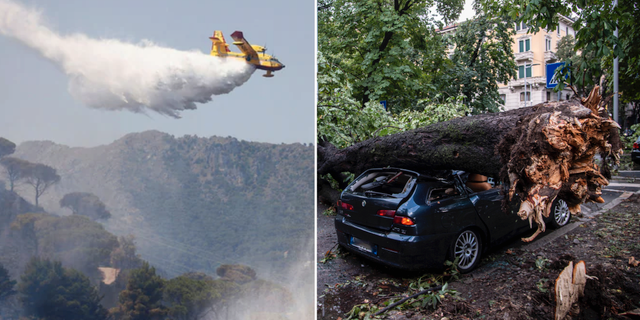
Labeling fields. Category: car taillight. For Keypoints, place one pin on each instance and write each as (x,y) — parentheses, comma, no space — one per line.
(344,205)
(405,221)
(387,213)
(636,146)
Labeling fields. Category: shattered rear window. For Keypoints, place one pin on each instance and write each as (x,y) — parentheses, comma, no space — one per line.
(383,184)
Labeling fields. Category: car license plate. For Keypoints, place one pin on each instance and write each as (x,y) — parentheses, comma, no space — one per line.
(361,244)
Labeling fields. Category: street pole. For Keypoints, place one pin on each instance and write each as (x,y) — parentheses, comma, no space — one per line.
(525,84)
(615,75)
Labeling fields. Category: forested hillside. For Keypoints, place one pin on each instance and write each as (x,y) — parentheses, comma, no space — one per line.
(194,203)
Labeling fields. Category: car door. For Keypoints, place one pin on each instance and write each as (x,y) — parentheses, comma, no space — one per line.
(451,203)
(501,225)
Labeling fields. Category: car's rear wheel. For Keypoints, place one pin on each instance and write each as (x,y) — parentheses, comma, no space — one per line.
(467,249)
(560,214)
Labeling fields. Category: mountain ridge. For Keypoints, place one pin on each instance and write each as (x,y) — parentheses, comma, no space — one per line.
(193,202)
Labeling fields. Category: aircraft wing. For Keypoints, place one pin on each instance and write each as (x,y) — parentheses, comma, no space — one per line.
(245,47)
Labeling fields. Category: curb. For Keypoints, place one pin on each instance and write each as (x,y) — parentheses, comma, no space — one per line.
(564,230)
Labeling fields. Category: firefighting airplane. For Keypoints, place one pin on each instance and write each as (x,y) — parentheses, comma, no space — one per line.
(263,61)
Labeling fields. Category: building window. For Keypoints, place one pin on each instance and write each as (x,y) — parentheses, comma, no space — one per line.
(503,97)
(521,72)
(521,26)
(525,45)
(558,29)
(522,96)
(548,96)
(567,96)
(548,45)
(566,31)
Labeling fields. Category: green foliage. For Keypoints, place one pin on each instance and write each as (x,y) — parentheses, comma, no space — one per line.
(77,241)
(374,51)
(6,284)
(49,291)
(384,50)
(348,124)
(86,204)
(541,263)
(483,58)
(541,285)
(142,299)
(433,298)
(6,147)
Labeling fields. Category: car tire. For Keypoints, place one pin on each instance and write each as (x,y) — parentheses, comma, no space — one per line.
(560,214)
(467,247)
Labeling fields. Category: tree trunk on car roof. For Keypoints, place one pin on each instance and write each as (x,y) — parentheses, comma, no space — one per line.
(541,152)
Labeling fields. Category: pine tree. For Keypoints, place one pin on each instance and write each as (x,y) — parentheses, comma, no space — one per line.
(142,299)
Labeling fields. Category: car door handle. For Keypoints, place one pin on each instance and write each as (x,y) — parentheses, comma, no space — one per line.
(443,210)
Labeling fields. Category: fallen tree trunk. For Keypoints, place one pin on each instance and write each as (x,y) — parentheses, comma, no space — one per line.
(541,152)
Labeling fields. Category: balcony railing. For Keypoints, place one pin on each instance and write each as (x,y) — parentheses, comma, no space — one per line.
(527,55)
(531,81)
(550,56)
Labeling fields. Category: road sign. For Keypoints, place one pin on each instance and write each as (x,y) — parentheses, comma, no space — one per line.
(551,70)
(384,104)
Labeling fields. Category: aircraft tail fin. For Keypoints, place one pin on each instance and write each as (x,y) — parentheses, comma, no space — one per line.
(219,46)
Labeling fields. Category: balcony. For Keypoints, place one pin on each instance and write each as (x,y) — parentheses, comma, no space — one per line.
(550,56)
(527,55)
(534,82)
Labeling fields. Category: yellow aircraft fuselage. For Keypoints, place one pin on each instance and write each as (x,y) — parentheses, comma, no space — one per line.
(252,54)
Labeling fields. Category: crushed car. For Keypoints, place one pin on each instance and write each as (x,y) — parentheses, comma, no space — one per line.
(410,220)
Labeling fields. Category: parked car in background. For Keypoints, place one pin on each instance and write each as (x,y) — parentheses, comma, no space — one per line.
(635,151)
(409,220)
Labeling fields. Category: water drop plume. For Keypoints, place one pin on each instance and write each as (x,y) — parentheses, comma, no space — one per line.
(117,75)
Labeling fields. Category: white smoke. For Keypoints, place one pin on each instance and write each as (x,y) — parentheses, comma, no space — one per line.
(115,75)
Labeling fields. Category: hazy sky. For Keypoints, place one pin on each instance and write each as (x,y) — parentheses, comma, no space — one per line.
(36,105)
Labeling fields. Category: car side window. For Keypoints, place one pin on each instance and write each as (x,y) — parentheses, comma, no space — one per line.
(441,193)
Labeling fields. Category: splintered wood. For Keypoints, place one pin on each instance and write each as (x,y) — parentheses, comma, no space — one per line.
(561,146)
(569,287)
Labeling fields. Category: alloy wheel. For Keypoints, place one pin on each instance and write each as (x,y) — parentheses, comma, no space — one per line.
(561,213)
(467,249)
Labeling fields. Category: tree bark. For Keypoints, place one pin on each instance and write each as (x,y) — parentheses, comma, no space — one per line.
(540,152)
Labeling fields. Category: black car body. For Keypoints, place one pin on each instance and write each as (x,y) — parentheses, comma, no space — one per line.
(409,220)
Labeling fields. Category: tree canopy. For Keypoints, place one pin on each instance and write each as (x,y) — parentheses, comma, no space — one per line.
(142,299)
(6,147)
(394,51)
(76,241)
(50,292)
(15,169)
(40,177)
(86,204)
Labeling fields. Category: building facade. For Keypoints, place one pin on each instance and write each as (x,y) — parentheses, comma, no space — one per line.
(533,51)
